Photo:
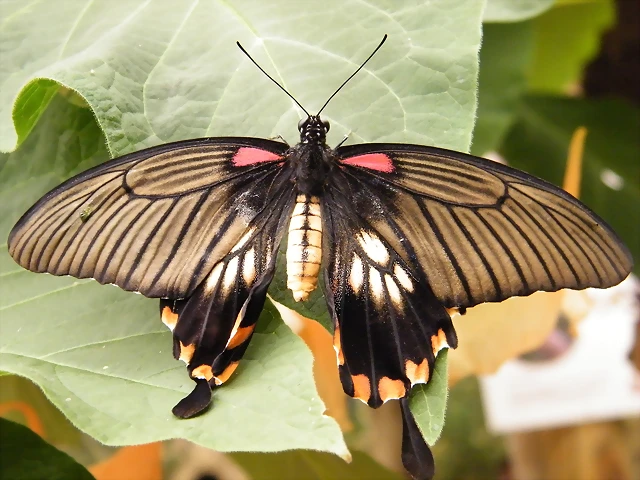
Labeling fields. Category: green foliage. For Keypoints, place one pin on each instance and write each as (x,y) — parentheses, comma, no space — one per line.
(514,10)
(567,37)
(504,58)
(26,456)
(151,76)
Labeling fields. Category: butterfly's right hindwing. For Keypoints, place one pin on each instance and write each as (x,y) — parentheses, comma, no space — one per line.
(388,324)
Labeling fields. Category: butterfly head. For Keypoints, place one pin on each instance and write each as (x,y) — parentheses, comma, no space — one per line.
(313,129)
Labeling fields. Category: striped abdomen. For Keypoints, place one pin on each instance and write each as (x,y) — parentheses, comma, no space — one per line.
(304,247)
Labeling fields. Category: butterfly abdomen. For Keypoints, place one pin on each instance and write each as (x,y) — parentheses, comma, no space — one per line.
(304,247)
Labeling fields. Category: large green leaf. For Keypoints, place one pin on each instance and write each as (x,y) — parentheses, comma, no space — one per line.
(539,141)
(150,75)
(567,37)
(514,10)
(504,61)
(160,71)
(305,465)
(26,456)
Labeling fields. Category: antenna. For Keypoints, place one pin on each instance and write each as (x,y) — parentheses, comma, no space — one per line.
(272,79)
(384,39)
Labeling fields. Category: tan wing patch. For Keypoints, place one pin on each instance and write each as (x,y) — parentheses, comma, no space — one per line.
(169,318)
(439,341)
(186,352)
(226,373)
(203,371)
(417,373)
(389,389)
(361,387)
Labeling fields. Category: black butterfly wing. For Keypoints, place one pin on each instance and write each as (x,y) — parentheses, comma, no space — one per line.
(388,323)
(155,221)
(212,327)
(414,232)
(481,231)
(196,223)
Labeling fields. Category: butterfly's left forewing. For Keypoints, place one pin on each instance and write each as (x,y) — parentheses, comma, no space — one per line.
(480,231)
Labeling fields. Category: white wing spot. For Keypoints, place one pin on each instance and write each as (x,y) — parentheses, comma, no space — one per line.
(249,267)
(403,278)
(245,238)
(394,291)
(212,281)
(356,277)
(375,284)
(231,273)
(373,247)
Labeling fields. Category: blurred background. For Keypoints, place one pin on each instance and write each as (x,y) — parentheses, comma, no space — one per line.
(553,396)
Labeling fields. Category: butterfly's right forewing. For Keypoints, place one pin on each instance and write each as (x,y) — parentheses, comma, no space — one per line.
(156,221)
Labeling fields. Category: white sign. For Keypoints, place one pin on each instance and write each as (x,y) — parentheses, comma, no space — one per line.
(592,380)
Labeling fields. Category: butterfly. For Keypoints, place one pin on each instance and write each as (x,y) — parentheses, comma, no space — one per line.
(400,237)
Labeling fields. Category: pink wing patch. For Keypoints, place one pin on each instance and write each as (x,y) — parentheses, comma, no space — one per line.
(249,156)
(372,161)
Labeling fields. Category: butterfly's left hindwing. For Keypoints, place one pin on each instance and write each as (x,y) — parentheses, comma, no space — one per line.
(388,324)
(212,328)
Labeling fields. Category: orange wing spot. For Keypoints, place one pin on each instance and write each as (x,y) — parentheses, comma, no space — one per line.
(454,311)
(417,373)
(186,352)
(337,345)
(169,318)
(240,337)
(361,387)
(203,372)
(391,389)
(226,373)
(438,342)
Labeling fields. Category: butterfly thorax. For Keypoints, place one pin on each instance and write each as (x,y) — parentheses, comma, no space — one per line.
(311,157)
